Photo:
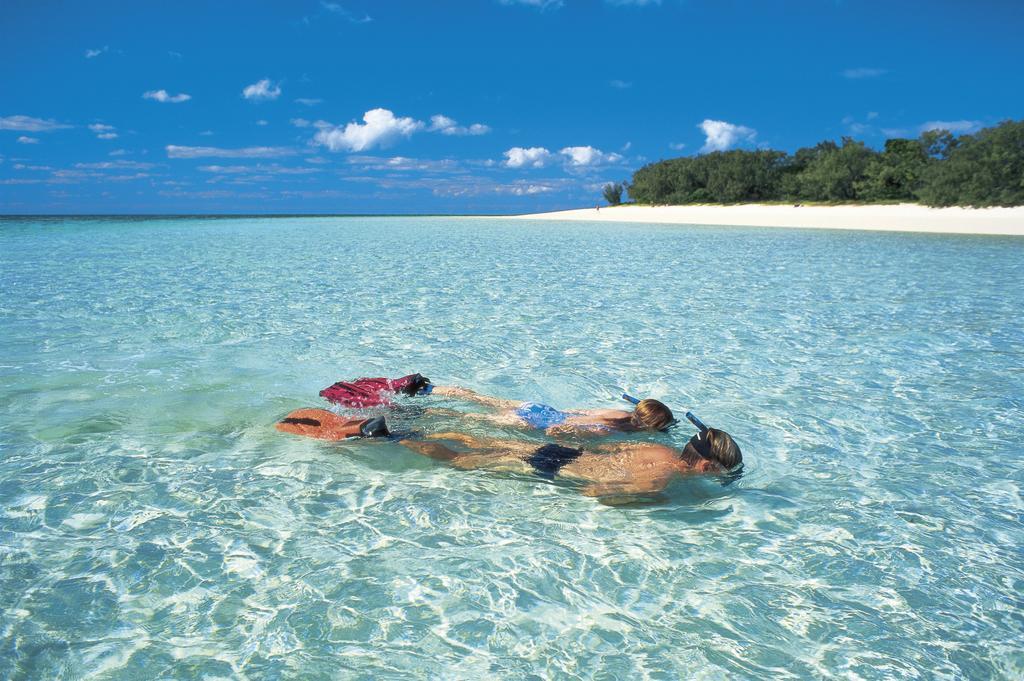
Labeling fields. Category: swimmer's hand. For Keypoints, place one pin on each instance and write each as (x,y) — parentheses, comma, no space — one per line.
(627,494)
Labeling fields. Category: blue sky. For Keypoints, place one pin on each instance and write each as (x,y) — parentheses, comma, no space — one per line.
(350,106)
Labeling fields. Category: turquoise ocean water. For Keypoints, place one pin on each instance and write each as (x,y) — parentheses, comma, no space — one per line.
(153,524)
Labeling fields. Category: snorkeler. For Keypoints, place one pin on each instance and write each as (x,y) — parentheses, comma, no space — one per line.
(624,468)
(647,415)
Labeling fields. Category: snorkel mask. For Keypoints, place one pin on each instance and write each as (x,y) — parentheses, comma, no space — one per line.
(702,444)
(700,441)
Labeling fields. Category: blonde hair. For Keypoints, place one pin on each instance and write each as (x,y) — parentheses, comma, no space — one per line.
(653,414)
(724,449)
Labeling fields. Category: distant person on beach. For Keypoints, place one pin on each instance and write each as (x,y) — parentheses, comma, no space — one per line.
(619,469)
(648,415)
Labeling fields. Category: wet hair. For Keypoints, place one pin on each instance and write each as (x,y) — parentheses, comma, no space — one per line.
(653,414)
(718,446)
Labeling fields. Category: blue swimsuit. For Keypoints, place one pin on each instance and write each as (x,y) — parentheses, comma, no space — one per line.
(540,416)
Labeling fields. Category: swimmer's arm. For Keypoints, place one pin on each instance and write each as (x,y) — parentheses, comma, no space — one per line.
(631,493)
(578,429)
(460,393)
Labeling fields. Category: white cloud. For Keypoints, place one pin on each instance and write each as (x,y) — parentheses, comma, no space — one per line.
(25,139)
(308,101)
(632,3)
(103,132)
(541,4)
(118,152)
(175,151)
(380,127)
(89,54)
(206,133)
(858,73)
(262,123)
(721,135)
(533,157)
(163,97)
(588,156)
(262,89)
(115,165)
(336,8)
(403,163)
(29,124)
(620,84)
(272,169)
(449,126)
(951,126)
(676,146)
(525,189)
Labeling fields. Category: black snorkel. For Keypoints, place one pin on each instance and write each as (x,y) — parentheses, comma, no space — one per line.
(697,422)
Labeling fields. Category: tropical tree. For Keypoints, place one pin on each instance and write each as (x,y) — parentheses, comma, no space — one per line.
(613,192)
(894,175)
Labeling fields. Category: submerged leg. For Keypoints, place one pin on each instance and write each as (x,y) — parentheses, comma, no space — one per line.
(434,450)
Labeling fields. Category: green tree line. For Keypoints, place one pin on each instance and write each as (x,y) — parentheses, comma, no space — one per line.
(937,169)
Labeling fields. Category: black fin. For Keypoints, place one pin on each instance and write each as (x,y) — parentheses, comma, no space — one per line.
(375,427)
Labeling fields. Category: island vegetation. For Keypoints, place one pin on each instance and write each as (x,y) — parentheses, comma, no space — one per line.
(936,169)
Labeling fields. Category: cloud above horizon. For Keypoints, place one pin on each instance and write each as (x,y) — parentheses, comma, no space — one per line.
(91,54)
(336,8)
(539,4)
(863,72)
(25,139)
(720,135)
(262,90)
(380,128)
(103,132)
(449,126)
(558,4)
(176,151)
(532,157)
(30,124)
(951,126)
(164,97)
(572,157)
(579,157)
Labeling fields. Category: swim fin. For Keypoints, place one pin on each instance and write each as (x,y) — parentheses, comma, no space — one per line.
(375,427)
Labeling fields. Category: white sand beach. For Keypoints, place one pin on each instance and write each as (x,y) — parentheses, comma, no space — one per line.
(904,217)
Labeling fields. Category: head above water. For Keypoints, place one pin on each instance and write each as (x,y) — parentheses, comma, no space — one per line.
(652,414)
(717,446)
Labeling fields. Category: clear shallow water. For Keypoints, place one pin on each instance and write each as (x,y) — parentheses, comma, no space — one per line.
(153,524)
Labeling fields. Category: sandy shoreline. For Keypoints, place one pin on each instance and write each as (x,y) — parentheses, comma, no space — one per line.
(904,217)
